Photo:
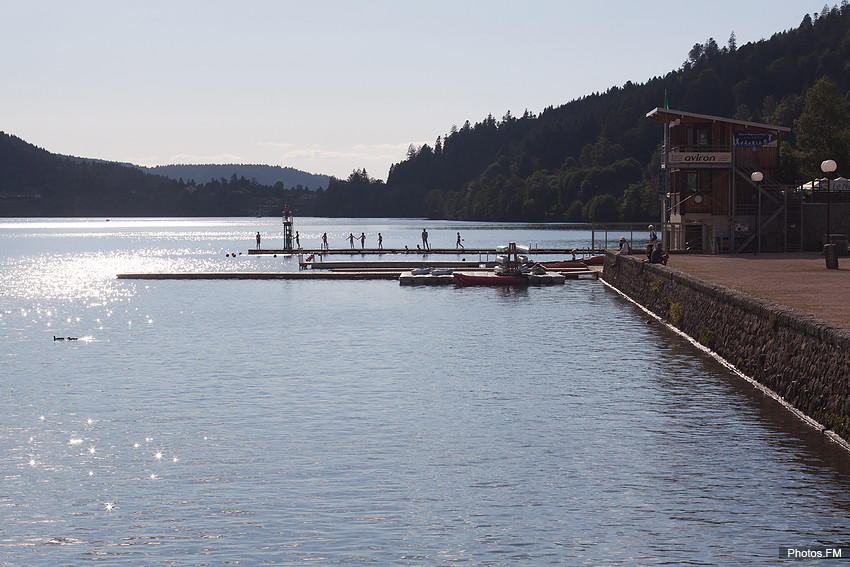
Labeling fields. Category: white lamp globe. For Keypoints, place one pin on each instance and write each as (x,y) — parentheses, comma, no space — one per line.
(828,166)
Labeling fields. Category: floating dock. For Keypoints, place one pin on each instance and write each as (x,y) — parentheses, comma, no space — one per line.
(481,252)
(385,269)
(429,279)
(404,277)
(302,275)
(400,265)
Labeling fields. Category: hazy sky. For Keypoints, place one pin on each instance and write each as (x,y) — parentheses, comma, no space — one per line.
(328,86)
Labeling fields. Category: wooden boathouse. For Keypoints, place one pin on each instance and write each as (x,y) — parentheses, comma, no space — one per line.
(720,188)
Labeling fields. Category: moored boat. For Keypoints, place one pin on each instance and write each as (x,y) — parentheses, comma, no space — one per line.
(511,269)
(594,260)
(575,263)
(564,265)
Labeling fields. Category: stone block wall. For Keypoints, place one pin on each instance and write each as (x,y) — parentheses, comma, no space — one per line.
(805,360)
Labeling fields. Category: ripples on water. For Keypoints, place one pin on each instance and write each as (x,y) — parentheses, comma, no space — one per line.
(201,422)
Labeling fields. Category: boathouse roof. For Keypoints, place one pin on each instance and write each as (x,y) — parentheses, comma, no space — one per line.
(668,115)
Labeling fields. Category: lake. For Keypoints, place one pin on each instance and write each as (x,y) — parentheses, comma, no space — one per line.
(347,422)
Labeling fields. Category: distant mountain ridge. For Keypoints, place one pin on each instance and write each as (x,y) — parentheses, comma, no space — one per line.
(263,174)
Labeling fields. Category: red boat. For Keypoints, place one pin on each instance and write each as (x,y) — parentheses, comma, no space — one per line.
(489,279)
(580,263)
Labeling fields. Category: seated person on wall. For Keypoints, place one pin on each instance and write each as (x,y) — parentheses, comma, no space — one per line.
(625,249)
(659,256)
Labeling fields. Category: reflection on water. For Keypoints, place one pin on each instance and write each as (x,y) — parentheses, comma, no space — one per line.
(204,422)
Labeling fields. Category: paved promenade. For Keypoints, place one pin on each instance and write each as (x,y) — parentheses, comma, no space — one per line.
(797,280)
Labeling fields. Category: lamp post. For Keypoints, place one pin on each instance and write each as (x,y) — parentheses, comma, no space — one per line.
(758,177)
(828,166)
(830,253)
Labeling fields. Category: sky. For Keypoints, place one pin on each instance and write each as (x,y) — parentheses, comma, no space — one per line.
(329,86)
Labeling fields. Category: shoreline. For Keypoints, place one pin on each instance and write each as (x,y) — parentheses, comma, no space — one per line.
(795,357)
(817,426)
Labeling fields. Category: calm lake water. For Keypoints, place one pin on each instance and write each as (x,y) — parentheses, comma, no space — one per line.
(343,423)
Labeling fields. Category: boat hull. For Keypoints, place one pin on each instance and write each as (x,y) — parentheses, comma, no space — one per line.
(563,265)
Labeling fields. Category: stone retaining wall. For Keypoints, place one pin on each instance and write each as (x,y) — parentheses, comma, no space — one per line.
(805,360)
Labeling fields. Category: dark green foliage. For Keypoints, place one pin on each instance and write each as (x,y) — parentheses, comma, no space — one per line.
(34,182)
(264,174)
(823,130)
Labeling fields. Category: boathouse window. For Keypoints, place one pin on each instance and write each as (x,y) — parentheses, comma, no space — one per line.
(698,135)
(699,180)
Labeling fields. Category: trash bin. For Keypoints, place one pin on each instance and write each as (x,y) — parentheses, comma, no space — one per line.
(840,241)
(831,254)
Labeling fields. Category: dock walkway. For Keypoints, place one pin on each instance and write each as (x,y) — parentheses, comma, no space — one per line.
(301,275)
(384,269)
(483,252)
(797,280)
(403,276)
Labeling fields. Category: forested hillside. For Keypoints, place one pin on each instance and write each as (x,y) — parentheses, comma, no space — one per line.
(36,183)
(263,174)
(597,158)
(593,159)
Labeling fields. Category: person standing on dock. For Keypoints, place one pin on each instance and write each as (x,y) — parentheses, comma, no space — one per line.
(380,242)
(297,240)
(258,240)
(325,241)
(362,240)
(424,239)
(459,240)
(351,239)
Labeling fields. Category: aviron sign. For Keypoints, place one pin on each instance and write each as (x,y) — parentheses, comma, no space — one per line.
(700,158)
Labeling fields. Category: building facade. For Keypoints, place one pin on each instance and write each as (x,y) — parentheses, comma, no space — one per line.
(720,191)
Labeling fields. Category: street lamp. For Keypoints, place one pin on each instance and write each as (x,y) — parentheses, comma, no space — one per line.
(828,166)
(758,177)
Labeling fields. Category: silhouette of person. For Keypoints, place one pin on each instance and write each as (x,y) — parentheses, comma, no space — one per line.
(380,242)
(424,239)
(258,240)
(297,240)
(459,240)
(351,239)
(362,240)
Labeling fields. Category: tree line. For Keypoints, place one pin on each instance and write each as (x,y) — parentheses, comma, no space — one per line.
(36,183)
